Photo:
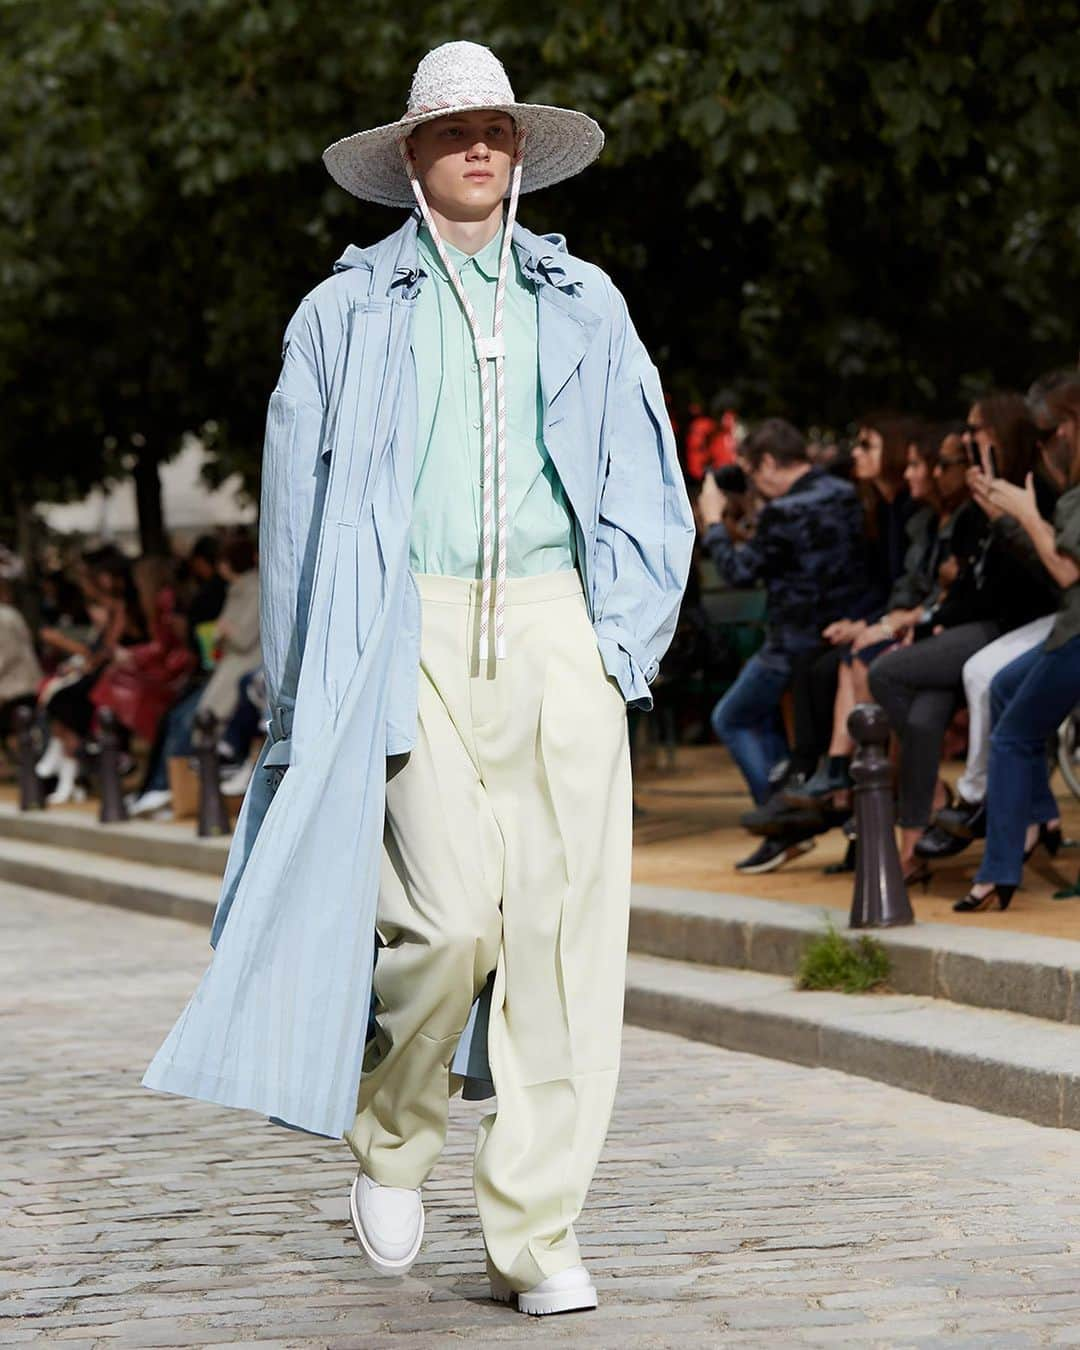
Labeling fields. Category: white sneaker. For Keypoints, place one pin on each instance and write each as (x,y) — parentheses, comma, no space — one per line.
(49,763)
(570,1291)
(388,1222)
(154,800)
(66,790)
(234,784)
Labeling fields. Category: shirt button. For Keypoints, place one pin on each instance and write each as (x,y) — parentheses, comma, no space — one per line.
(476,426)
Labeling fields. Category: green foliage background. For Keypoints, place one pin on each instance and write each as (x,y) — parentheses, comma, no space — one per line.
(813,206)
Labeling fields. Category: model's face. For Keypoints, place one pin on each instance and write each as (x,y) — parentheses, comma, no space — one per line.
(866,454)
(463,162)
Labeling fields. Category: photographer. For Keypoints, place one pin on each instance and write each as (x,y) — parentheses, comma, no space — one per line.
(807,550)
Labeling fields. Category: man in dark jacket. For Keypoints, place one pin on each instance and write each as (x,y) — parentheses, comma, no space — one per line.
(807,552)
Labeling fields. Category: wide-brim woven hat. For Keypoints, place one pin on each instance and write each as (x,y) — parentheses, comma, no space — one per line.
(463,77)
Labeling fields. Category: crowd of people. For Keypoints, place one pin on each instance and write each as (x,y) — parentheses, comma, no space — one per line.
(929,568)
(157,640)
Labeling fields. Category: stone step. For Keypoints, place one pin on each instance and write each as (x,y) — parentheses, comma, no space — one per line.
(177,892)
(144,841)
(996,1061)
(981,967)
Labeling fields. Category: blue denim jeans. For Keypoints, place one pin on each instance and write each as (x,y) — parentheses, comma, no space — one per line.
(747,718)
(179,721)
(1029,698)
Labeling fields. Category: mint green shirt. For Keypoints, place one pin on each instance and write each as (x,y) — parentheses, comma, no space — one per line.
(447,493)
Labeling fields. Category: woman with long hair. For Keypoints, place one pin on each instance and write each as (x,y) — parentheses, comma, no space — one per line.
(919,687)
(1032,694)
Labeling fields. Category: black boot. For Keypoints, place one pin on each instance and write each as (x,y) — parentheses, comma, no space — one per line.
(937,843)
(966,820)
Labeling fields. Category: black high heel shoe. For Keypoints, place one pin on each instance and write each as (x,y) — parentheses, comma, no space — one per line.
(918,874)
(972,903)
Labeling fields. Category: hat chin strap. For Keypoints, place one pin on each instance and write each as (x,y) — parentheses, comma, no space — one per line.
(489,349)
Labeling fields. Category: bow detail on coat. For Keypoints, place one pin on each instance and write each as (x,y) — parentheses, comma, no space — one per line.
(549,269)
(409,280)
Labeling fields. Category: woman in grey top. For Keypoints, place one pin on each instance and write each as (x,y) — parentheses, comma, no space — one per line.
(1030,696)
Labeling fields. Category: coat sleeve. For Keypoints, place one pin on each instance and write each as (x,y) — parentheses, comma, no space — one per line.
(294,476)
(645,530)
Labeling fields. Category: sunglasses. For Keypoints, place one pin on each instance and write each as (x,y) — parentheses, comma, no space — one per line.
(863,443)
(973,429)
(953,461)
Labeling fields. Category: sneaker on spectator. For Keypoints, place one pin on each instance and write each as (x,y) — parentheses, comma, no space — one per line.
(234,784)
(776,817)
(773,853)
(150,802)
(831,776)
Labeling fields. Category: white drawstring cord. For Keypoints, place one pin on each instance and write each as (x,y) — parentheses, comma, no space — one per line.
(487,349)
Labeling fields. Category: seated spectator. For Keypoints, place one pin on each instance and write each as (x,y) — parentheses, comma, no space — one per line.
(955,827)
(143,680)
(115,621)
(909,606)
(919,687)
(1035,692)
(237,656)
(806,550)
(20,672)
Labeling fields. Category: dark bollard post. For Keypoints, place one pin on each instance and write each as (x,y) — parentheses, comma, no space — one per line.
(28,739)
(113,808)
(881,898)
(213,817)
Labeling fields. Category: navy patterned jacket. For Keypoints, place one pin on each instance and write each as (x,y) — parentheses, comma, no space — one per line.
(808,550)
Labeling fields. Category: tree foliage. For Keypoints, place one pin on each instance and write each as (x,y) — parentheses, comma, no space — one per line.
(812,205)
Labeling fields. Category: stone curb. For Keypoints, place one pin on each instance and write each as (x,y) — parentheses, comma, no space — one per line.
(141,841)
(171,893)
(998,1062)
(1012,972)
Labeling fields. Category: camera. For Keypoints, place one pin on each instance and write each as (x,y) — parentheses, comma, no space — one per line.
(731,479)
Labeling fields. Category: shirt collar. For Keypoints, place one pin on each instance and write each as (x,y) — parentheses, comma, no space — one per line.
(486,261)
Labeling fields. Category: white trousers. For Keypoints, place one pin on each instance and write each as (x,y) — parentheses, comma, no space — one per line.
(979,672)
(507,849)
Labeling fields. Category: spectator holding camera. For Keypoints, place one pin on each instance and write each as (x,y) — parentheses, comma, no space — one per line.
(807,550)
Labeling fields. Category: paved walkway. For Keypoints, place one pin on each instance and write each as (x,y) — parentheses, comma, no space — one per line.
(740,1201)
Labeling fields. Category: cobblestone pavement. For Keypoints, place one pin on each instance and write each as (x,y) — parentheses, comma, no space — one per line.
(740,1201)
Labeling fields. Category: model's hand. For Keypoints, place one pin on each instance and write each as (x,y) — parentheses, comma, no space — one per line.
(712,503)
(1014,501)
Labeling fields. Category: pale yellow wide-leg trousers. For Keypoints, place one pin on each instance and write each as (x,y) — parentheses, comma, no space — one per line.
(507,849)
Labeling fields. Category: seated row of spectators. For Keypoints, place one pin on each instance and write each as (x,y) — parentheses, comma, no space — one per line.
(927,580)
(155,641)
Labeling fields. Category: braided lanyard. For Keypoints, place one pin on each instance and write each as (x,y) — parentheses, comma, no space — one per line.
(487,349)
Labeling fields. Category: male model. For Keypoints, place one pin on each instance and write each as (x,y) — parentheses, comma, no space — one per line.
(474,539)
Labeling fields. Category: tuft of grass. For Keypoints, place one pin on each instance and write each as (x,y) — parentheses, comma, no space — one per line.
(832,962)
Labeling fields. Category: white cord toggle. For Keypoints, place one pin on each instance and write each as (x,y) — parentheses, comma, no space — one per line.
(490,348)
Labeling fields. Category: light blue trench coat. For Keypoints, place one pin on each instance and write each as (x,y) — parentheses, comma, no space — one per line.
(279,1022)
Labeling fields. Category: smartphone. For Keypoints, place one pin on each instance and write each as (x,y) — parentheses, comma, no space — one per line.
(991,459)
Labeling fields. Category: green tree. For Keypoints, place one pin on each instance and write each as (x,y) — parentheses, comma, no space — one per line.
(812,205)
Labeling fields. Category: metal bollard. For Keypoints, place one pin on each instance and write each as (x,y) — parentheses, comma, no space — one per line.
(880,899)
(213,817)
(113,808)
(28,739)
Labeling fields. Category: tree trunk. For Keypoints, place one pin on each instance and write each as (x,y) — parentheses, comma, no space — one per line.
(148,504)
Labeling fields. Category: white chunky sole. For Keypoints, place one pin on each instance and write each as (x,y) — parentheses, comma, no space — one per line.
(380,1263)
(536,1303)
